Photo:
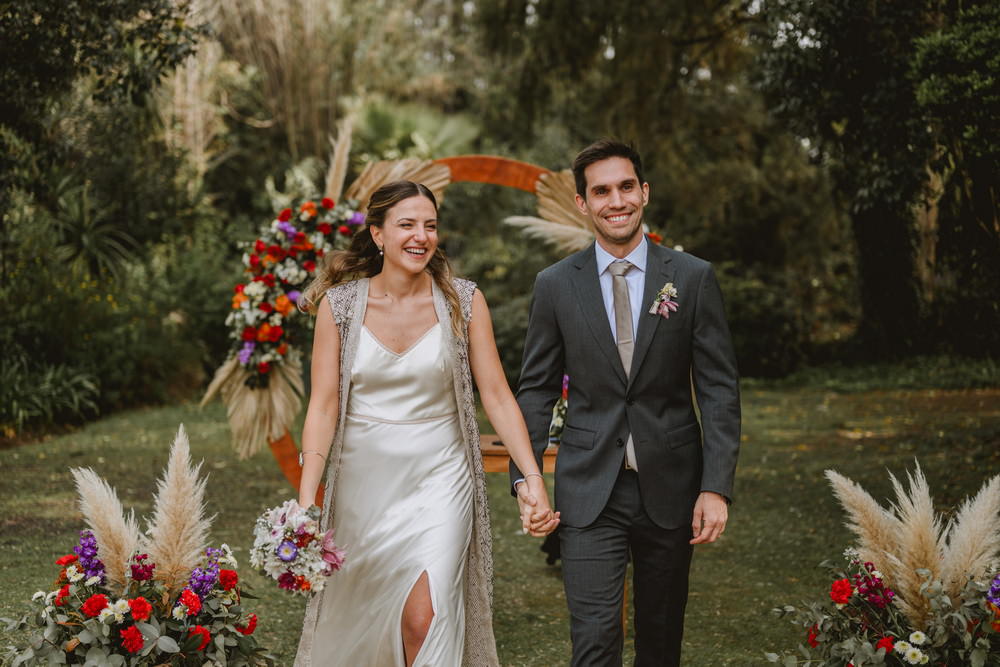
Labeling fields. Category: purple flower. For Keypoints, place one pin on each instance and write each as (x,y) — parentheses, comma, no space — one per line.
(245,353)
(87,551)
(203,579)
(288,228)
(993,597)
(357,218)
(294,295)
(287,551)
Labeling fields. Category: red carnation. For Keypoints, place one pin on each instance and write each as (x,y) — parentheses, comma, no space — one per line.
(205,636)
(326,202)
(140,608)
(887,643)
(268,279)
(285,215)
(300,237)
(94,604)
(239,288)
(324,228)
(67,559)
(62,595)
(309,265)
(259,245)
(263,368)
(345,230)
(275,334)
(132,640)
(266,307)
(190,600)
(228,579)
(249,627)
(841,591)
(811,638)
(249,333)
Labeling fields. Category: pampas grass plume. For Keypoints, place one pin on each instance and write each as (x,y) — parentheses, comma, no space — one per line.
(117,535)
(178,532)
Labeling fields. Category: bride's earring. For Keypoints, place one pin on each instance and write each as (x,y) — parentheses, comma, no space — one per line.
(380,252)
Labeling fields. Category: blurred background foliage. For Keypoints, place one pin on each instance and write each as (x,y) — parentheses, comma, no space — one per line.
(837,161)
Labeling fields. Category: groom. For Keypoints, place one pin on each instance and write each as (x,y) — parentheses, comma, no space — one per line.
(637,475)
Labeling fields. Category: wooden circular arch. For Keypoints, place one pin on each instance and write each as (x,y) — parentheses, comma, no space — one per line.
(464,168)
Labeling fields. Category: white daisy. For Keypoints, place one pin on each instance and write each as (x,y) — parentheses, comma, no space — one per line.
(73,574)
(917,637)
(179,612)
(93,581)
(121,607)
(913,655)
(106,614)
(901,647)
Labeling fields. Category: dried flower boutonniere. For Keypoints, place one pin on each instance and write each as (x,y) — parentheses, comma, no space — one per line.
(664,303)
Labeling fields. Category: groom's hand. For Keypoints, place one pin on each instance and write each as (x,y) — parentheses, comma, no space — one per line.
(710,515)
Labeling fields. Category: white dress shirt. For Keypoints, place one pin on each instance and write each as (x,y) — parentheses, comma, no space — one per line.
(636,280)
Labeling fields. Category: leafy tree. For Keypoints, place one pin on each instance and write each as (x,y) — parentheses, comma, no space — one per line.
(842,74)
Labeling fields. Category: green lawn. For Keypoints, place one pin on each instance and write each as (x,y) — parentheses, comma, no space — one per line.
(783,523)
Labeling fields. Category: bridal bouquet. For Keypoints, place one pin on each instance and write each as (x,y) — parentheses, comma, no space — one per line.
(163,598)
(289,547)
(917,590)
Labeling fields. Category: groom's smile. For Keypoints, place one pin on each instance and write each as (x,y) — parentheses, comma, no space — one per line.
(614,202)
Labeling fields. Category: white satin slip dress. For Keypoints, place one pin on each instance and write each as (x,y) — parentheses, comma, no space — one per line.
(403,507)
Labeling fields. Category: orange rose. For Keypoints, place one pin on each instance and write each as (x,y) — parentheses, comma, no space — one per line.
(283,305)
(238,300)
(264,332)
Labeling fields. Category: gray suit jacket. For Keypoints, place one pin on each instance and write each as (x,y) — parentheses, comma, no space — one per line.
(568,330)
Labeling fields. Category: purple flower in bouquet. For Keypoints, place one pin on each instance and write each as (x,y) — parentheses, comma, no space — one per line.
(203,578)
(332,554)
(245,353)
(993,597)
(287,551)
(357,218)
(87,551)
(288,228)
(294,295)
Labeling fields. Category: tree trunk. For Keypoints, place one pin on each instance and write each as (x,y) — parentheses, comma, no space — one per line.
(889,304)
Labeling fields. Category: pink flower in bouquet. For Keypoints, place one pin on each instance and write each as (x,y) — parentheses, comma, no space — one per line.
(332,554)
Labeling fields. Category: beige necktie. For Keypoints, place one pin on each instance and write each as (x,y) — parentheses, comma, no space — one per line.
(623,332)
(623,312)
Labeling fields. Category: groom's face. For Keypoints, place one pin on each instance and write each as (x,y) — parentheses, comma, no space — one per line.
(614,202)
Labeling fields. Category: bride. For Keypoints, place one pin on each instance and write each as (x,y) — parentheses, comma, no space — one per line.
(392,423)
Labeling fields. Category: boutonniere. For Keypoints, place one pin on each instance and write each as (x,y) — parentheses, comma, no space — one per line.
(664,303)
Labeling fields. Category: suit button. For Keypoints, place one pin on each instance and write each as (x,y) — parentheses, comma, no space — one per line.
(620,442)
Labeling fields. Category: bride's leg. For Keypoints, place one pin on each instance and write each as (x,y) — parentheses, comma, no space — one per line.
(418,612)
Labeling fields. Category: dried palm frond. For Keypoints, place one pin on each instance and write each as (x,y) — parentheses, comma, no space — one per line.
(178,533)
(565,238)
(560,222)
(337,172)
(116,533)
(258,415)
(376,174)
(910,545)
(920,545)
(973,539)
(876,528)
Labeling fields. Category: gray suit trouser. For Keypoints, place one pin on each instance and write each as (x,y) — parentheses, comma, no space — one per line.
(595,559)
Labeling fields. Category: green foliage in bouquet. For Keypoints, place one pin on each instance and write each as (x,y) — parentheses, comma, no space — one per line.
(917,590)
(159,598)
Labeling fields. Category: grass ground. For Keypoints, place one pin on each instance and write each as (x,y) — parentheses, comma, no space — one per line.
(783,523)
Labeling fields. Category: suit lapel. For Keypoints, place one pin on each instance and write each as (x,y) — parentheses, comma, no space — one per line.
(588,291)
(658,272)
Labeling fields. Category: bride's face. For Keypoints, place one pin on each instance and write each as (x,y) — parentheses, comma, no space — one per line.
(408,237)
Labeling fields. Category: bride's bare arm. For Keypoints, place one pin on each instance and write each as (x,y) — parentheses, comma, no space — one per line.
(503,412)
(324,403)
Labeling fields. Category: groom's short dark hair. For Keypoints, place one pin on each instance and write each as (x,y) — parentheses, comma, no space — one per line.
(602,149)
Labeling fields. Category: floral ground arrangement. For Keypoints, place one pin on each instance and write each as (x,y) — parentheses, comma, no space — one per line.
(917,590)
(162,598)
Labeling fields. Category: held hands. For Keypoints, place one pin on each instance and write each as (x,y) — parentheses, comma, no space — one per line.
(710,515)
(537,517)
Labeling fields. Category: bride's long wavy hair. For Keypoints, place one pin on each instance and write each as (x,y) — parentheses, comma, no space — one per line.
(362,258)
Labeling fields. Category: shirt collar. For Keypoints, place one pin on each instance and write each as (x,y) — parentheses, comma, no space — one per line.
(637,257)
